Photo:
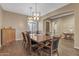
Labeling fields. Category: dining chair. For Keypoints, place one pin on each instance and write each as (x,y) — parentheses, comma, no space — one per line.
(47,48)
(24,40)
(32,45)
(51,46)
(55,45)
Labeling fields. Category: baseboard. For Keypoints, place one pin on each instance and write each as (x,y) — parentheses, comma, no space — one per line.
(76,47)
(18,39)
(0,45)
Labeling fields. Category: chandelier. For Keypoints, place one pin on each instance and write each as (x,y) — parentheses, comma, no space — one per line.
(34,16)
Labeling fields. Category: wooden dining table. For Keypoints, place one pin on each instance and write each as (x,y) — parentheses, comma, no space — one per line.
(41,38)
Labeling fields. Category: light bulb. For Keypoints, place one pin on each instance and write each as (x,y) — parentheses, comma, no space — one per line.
(34,18)
(37,18)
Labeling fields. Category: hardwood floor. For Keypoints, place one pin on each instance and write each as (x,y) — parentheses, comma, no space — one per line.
(66,48)
(16,49)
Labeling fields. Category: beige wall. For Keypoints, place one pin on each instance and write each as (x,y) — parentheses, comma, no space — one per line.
(57,27)
(76,42)
(0,23)
(64,24)
(17,21)
(41,26)
(68,23)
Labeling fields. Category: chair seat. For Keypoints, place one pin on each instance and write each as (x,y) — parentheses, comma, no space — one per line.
(47,50)
(33,42)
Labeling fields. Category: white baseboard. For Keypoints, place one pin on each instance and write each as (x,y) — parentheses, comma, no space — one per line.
(76,47)
(18,39)
(0,45)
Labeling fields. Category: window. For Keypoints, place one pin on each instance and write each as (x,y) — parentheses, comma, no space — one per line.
(32,27)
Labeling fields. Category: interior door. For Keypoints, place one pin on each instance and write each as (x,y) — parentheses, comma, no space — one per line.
(47,27)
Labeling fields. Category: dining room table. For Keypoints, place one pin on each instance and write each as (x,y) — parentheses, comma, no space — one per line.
(41,38)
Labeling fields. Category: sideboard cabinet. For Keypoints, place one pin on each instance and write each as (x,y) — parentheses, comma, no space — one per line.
(7,36)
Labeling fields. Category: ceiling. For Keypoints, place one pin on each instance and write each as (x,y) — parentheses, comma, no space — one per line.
(24,8)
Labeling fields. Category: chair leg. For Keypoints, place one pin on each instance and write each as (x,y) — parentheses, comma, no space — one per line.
(39,54)
(23,43)
(39,51)
(29,51)
(57,52)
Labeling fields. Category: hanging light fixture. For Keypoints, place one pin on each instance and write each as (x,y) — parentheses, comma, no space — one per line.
(30,18)
(35,15)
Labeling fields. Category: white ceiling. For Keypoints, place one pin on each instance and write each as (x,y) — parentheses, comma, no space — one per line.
(24,8)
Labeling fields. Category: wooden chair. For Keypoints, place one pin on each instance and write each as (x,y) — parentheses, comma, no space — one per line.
(55,45)
(47,47)
(51,46)
(32,45)
(24,40)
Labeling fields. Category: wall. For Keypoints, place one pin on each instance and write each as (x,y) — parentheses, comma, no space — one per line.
(64,24)
(41,26)
(68,23)
(76,42)
(0,23)
(57,26)
(17,21)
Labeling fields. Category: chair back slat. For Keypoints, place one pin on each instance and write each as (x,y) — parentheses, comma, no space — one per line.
(29,40)
(28,37)
(55,42)
(24,37)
